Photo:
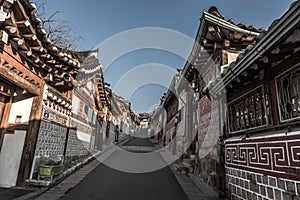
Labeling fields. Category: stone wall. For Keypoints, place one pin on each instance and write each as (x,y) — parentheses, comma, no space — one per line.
(76,147)
(242,184)
(51,140)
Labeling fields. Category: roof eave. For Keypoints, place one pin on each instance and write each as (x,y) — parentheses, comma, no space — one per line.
(284,25)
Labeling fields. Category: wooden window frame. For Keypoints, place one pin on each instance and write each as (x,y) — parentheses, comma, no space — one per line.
(279,100)
(267,118)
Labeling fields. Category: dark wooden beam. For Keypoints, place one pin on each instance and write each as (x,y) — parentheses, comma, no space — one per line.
(31,137)
(14,59)
(17,80)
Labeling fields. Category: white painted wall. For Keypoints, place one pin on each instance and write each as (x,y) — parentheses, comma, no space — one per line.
(10,158)
(22,108)
(75,103)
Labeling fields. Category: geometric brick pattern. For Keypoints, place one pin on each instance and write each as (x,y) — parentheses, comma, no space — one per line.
(275,156)
(241,184)
(51,140)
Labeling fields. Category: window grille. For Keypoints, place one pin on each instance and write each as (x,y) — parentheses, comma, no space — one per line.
(288,94)
(249,111)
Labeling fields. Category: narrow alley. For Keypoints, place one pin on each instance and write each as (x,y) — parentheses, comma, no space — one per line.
(164,100)
(98,181)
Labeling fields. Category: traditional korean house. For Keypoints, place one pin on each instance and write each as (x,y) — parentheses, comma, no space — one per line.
(217,44)
(144,120)
(170,114)
(39,84)
(194,114)
(35,85)
(124,107)
(86,133)
(116,117)
(157,124)
(104,109)
(106,98)
(262,132)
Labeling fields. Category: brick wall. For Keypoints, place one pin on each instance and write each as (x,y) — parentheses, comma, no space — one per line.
(241,184)
(76,147)
(263,167)
(51,140)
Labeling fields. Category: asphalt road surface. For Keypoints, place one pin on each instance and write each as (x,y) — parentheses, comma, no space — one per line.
(105,183)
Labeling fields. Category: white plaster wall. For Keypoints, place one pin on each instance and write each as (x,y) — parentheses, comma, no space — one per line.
(94,117)
(22,108)
(10,158)
(75,103)
(90,114)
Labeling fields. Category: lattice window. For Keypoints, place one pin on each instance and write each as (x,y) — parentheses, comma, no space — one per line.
(249,111)
(288,94)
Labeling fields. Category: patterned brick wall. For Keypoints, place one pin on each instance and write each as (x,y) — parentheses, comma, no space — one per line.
(76,147)
(263,167)
(241,184)
(51,140)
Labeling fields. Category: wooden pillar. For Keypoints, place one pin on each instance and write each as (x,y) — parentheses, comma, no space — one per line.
(31,137)
(5,116)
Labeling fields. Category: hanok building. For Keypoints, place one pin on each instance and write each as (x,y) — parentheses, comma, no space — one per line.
(170,114)
(36,96)
(123,119)
(262,134)
(88,106)
(218,43)
(194,115)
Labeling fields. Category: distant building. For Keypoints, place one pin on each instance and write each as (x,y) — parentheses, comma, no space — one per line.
(144,120)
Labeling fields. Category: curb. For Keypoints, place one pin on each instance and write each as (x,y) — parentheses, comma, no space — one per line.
(65,174)
(59,178)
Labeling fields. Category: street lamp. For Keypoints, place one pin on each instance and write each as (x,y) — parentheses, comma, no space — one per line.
(195,84)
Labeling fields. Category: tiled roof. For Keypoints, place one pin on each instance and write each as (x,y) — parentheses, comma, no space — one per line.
(263,37)
(214,11)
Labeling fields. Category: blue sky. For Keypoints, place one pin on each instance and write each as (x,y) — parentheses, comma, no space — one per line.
(98,20)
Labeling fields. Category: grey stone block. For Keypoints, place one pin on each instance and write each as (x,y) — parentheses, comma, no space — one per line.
(265,179)
(254,187)
(246,185)
(254,196)
(239,191)
(259,178)
(287,196)
(252,178)
(273,181)
(298,188)
(270,193)
(244,194)
(243,174)
(296,197)
(262,190)
(248,175)
(277,195)
(234,172)
(281,184)
(291,186)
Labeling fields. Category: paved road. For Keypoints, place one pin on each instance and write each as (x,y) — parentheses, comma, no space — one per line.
(10,193)
(105,183)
